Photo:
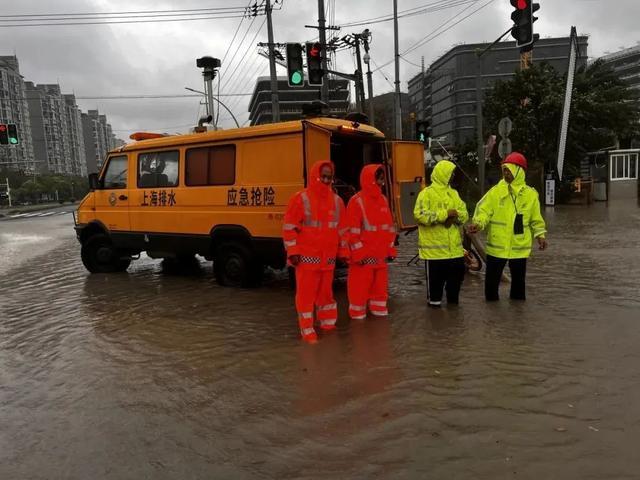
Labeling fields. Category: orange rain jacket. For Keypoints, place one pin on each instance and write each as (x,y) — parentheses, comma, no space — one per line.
(315,224)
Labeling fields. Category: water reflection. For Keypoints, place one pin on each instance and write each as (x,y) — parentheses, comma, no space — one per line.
(158,373)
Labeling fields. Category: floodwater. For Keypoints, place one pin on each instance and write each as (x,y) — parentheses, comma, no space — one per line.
(154,375)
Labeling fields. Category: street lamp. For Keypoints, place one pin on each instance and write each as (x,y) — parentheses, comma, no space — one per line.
(214,98)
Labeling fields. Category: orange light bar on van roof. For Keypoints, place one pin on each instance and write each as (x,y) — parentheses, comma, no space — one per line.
(145,136)
(352,129)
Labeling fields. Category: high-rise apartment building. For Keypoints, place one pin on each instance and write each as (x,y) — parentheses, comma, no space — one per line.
(76,137)
(14,109)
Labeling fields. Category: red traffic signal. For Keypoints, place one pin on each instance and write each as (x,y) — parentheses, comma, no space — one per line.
(314,63)
(523,20)
(4,137)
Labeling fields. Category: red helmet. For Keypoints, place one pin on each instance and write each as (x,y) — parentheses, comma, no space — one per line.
(517,159)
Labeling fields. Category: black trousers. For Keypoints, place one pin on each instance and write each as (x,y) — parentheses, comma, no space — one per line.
(495,266)
(444,275)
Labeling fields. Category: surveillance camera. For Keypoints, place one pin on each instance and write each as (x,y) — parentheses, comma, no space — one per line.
(208,62)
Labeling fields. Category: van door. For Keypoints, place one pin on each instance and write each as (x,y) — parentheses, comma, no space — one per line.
(112,199)
(407,179)
(317,145)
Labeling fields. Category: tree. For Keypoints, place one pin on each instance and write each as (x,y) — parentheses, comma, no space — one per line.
(602,110)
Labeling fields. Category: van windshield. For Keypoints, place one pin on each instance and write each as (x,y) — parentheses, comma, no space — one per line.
(349,154)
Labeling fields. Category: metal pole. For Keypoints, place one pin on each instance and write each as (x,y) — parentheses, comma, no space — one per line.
(479,100)
(397,105)
(8,191)
(370,93)
(359,83)
(479,126)
(275,104)
(210,93)
(324,91)
(367,60)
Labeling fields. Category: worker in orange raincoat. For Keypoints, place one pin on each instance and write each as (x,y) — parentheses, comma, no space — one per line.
(372,243)
(314,234)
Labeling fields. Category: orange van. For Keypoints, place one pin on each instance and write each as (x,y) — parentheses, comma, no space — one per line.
(222,194)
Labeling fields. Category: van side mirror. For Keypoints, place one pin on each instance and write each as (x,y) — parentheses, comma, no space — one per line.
(94,182)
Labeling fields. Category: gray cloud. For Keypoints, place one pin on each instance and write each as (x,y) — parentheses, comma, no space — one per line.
(159,58)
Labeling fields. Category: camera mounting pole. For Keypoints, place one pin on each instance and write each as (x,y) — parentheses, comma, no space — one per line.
(210,68)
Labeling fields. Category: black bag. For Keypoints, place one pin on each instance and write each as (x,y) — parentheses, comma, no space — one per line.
(518,225)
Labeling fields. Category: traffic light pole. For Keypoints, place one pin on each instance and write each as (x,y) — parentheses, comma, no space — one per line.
(397,104)
(359,82)
(479,115)
(275,104)
(324,91)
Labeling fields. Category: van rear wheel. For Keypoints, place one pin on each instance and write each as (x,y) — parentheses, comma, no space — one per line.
(234,266)
(99,256)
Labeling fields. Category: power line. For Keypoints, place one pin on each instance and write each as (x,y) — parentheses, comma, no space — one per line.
(124,21)
(151,96)
(135,12)
(245,56)
(427,8)
(224,58)
(428,38)
(434,35)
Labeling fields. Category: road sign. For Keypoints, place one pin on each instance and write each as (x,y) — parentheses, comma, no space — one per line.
(504,147)
(504,127)
(550,192)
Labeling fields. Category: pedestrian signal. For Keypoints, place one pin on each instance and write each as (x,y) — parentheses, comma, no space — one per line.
(314,63)
(4,135)
(295,72)
(422,131)
(12,133)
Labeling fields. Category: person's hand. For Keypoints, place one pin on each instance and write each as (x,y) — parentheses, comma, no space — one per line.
(453,213)
(390,259)
(294,260)
(542,243)
(449,221)
(472,228)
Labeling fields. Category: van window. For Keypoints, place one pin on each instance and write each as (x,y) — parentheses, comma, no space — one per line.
(115,175)
(211,166)
(158,169)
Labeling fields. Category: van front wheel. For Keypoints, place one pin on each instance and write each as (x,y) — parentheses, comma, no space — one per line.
(234,266)
(99,256)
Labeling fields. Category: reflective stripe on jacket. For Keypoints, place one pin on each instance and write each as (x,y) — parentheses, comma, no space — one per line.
(372,233)
(496,212)
(437,241)
(315,224)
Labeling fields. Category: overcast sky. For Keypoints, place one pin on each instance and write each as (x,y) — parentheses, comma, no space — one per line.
(159,58)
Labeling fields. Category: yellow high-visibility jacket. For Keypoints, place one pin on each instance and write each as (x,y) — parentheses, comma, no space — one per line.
(436,241)
(496,212)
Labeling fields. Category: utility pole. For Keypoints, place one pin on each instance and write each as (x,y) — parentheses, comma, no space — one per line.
(324,91)
(360,82)
(367,60)
(397,105)
(275,104)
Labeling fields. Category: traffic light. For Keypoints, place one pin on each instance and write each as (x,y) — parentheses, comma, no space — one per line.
(314,63)
(422,131)
(12,133)
(4,135)
(523,20)
(295,72)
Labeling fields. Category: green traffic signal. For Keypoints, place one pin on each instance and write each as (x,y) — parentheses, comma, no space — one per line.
(295,67)
(296,78)
(12,133)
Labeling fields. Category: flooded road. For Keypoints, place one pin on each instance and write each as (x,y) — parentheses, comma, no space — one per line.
(148,374)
